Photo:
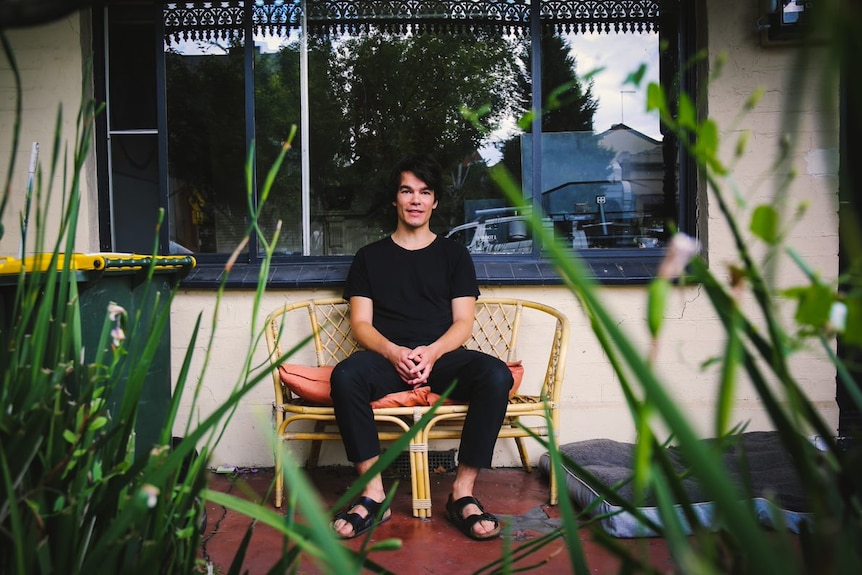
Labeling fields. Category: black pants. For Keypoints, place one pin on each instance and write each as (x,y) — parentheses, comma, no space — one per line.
(483,380)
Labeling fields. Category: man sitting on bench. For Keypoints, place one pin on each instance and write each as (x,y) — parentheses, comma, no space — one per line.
(412,296)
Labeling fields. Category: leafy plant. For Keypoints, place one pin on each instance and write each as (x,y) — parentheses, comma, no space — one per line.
(78,495)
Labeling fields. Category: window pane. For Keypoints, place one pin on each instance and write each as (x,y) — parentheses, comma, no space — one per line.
(602,166)
(135,191)
(277,110)
(378,90)
(377,96)
(132,68)
(206,141)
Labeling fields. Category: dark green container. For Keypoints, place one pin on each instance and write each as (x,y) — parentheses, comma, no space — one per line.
(119,278)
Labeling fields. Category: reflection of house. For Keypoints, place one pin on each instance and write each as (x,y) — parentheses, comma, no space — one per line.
(638,161)
(601,190)
(625,140)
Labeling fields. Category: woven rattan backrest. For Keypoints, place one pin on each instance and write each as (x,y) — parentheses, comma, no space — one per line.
(326,321)
(330,323)
(495,330)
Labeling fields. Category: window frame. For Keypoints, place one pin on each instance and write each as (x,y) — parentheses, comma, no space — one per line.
(617,266)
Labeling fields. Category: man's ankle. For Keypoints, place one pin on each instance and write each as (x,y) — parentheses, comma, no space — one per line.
(377,496)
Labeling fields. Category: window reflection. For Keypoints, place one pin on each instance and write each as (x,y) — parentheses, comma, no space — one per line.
(601,190)
(206,144)
(373,98)
(495,231)
(376,94)
(276,111)
(602,170)
(605,188)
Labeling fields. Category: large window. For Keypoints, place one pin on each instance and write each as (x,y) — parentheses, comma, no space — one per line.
(364,83)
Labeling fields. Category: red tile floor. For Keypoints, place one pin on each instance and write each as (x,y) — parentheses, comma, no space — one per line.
(431,546)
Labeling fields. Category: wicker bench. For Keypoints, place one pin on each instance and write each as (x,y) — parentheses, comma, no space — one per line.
(499,323)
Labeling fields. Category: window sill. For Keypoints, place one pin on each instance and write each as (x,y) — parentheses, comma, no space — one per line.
(623,267)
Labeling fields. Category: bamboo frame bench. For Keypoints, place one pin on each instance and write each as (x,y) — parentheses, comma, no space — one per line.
(497,328)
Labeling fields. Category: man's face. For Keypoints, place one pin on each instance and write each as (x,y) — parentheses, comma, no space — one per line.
(414,202)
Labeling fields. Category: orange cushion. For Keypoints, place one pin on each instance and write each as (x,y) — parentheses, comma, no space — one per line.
(407,398)
(312,384)
(517,374)
(309,383)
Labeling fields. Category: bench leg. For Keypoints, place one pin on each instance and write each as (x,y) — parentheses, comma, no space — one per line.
(420,477)
(419,472)
(314,455)
(522,451)
(525,461)
(279,477)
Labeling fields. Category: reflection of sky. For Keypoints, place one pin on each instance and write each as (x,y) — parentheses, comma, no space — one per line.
(612,57)
(619,55)
(198,47)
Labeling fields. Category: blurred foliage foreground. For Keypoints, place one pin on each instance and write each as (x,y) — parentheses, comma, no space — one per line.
(79,497)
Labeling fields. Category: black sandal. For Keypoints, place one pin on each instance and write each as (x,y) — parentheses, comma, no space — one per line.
(359,523)
(455,515)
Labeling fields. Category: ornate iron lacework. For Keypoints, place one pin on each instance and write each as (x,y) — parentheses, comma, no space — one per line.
(225,19)
(203,21)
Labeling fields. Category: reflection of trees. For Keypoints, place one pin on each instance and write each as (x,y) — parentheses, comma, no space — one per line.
(405,95)
(277,110)
(206,147)
(373,99)
(567,106)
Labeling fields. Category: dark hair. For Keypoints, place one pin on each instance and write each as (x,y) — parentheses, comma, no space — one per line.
(423,167)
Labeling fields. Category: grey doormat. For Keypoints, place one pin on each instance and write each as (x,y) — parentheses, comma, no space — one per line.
(757,460)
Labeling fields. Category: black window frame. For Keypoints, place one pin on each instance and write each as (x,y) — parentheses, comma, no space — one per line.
(678,20)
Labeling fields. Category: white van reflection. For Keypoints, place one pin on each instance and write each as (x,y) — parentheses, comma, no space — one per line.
(495,230)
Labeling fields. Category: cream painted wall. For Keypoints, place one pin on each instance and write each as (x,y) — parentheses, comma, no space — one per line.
(791,108)
(592,402)
(51,64)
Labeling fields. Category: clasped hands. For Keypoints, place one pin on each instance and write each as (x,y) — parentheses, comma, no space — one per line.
(414,365)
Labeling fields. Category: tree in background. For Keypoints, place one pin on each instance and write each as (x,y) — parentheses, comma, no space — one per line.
(406,94)
(566,105)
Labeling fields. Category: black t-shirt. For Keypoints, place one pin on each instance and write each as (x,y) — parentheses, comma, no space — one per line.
(412,290)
